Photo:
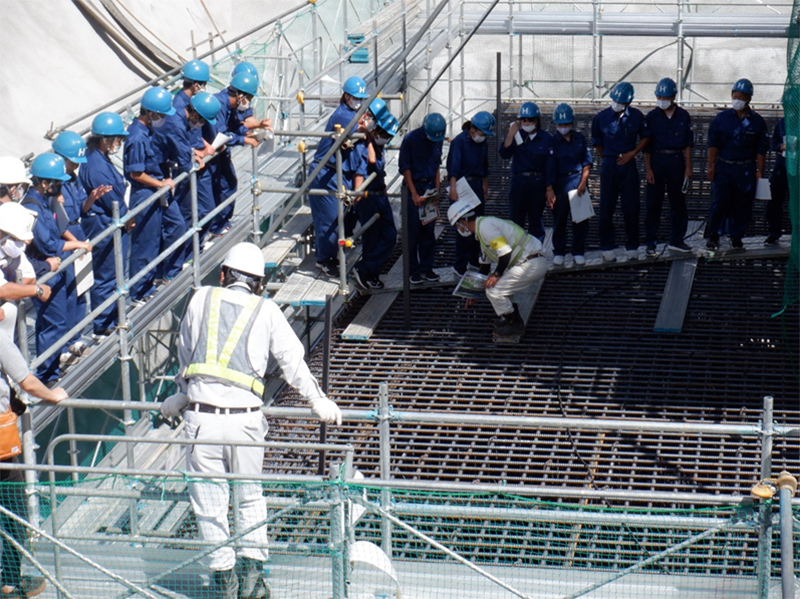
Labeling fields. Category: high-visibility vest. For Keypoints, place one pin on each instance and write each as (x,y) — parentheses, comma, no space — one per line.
(221,350)
(516,249)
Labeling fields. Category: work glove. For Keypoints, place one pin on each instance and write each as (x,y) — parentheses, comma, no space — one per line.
(326,410)
(174,405)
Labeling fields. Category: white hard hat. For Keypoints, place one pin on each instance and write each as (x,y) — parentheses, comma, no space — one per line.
(12,171)
(246,258)
(462,208)
(17,221)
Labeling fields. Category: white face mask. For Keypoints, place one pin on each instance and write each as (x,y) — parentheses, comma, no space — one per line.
(19,192)
(370,124)
(564,130)
(197,125)
(664,104)
(13,248)
(243,105)
(113,150)
(529,128)
(353,104)
(738,104)
(157,122)
(479,138)
(381,141)
(463,230)
(617,107)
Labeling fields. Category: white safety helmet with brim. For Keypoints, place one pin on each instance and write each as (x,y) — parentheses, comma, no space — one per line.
(12,171)
(462,209)
(245,258)
(17,221)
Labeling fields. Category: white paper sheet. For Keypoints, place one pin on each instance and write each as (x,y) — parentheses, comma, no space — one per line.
(220,140)
(763,191)
(580,206)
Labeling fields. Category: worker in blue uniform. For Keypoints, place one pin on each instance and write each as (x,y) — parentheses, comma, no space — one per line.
(72,148)
(737,151)
(779,185)
(48,173)
(142,167)
(619,133)
(105,140)
(668,163)
(531,154)
(419,162)
(196,75)
(380,238)
(572,161)
(325,209)
(469,158)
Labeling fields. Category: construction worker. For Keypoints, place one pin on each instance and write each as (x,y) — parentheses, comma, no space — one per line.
(615,133)
(105,140)
(196,75)
(469,158)
(325,209)
(222,393)
(380,238)
(13,179)
(72,148)
(779,185)
(48,172)
(14,368)
(737,151)
(572,161)
(668,163)
(419,162)
(142,160)
(16,232)
(531,154)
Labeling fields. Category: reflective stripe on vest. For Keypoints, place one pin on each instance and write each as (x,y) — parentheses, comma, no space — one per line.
(521,242)
(230,364)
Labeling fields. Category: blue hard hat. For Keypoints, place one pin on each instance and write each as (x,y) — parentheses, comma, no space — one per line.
(388,123)
(529,110)
(49,166)
(622,93)
(356,87)
(435,127)
(245,67)
(743,85)
(71,146)
(207,106)
(247,84)
(196,70)
(563,114)
(666,88)
(378,107)
(485,122)
(108,124)
(157,99)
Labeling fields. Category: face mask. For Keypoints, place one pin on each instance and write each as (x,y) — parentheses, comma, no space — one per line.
(353,104)
(479,138)
(529,128)
(738,104)
(19,192)
(370,125)
(381,141)
(564,130)
(197,125)
(113,150)
(463,230)
(617,107)
(663,104)
(157,121)
(13,248)
(53,190)
(244,104)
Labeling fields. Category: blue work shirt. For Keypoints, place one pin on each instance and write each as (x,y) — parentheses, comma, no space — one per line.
(467,158)
(570,156)
(341,116)
(534,154)
(778,139)
(738,140)
(230,120)
(141,155)
(182,140)
(667,133)
(74,197)
(421,156)
(180,101)
(98,171)
(618,133)
(365,169)
(47,241)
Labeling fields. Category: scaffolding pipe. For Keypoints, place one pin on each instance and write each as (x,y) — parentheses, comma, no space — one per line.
(763,566)
(386,464)
(787,487)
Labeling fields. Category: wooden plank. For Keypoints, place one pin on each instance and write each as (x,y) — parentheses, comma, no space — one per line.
(286,239)
(678,289)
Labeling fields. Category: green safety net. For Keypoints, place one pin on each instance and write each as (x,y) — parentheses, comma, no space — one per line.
(791,107)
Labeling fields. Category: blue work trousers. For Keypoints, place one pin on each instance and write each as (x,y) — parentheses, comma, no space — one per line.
(668,174)
(51,325)
(421,238)
(105,276)
(468,250)
(733,189)
(380,238)
(779,189)
(76,304)
(225,185)
(325,214)
(205,204)
(172,227)
(561,212)
(618,182)
(526,200)
(145,241)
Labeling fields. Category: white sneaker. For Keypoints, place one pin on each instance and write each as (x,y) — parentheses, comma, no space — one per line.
(558,260)
(580,260)
(609,255)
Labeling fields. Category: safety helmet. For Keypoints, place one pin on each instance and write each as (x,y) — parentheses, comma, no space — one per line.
(12,171)
(389,124)
(244,67)
(245,258)
(563,114)
(196,70)
(207,106)
(462,209)
(17,221)
(247,84)
(356,87)
(71,146)
(485,122)
(622,93)
(743,85)
(108,124)
(378,107)
(666,88)
(434,126)
(49,166)
(157,99)
(529,110)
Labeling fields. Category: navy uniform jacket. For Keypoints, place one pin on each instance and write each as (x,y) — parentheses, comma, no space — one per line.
(421,156)
(535,154)
(141,155)
(738,140)
(365,168)
(569,157)
(341,116)
(182,140)
(47,241)
(666,133)
(180,101)
(618,133)
(467,158)
(97,171)
(230,120)
(74,197)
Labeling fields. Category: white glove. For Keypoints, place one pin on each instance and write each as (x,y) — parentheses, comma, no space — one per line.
(174,405)
(326,410)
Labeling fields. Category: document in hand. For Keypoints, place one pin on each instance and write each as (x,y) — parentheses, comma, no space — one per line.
(763,191)
(464,190)
(220,140)
(429,211)
(580,206)
(471,286)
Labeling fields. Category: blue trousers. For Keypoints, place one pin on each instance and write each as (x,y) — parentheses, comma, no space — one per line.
(561,211)
(468,249)
(526,199)
(734,189)
(76,304)
(51,325)
(205,204)
(105,277)
(145,242)
(325,214)
(779,189)
(225,184)
(618,182)
(668,174)
(379,240)
(421,238)
(172,227)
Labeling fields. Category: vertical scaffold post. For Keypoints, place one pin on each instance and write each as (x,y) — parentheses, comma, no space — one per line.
(510,50)
(326,375)
(765,509)
(428,58)
(404,84)
(462,65)
(449,114)
(195,228)
(680,49)
(386,465)
(255,190)
(337,544)
(595,51)
(405,199)
(498,103)
(340,197)
(787,487)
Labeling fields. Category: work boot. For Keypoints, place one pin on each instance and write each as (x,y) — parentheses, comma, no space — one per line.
(251,581)
(515,325)
(226,584)
(505,319)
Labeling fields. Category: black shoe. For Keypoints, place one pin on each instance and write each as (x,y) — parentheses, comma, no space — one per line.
(361,282)
(651,249)
(375,283)
(772,239)
(680,247)
(415,279)
(330,267)
(736,243)
(460,270)
(100,335)
(712,243)
(431,276)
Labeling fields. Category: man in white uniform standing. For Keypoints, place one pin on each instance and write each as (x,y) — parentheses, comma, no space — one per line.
(226,338)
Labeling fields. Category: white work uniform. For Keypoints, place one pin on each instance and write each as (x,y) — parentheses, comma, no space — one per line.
(269,333)
(497,238)
(8,274)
